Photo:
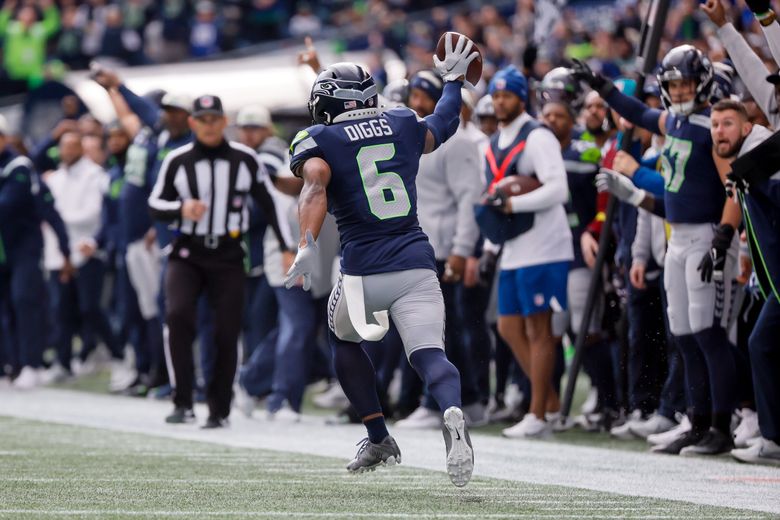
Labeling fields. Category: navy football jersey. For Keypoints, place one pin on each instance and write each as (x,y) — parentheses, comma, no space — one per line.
(694,191)
(581,158)
(372,191)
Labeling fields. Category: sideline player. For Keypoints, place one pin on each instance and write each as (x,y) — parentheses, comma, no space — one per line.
(361,165)
(700,264)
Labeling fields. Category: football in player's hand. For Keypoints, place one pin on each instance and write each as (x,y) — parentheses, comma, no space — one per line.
(474,71)
(518,185)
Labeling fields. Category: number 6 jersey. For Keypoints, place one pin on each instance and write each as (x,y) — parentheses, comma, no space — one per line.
(372,192)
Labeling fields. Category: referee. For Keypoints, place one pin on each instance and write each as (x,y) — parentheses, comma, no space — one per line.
(202,189)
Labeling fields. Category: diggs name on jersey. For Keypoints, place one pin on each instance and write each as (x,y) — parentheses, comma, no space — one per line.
(368,129)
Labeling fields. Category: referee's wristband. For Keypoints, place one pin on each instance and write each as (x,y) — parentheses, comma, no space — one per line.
(766,19)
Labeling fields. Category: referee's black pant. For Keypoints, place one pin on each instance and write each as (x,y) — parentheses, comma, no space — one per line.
(192,269)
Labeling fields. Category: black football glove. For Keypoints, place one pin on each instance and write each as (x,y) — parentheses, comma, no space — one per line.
(582,72)
(487,267)
(758,6)
(714,261)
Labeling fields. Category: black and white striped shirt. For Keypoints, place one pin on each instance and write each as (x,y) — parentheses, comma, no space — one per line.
(222,178)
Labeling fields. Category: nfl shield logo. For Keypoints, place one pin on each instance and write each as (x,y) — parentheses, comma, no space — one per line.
(349,105)
(207,101)
(500,83)
(237,201)
(539,299)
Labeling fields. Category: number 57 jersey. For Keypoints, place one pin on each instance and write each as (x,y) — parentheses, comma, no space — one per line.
(372,191)
(694,192)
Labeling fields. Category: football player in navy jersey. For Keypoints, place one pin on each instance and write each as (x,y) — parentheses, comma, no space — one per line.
(701,260)
(360,164)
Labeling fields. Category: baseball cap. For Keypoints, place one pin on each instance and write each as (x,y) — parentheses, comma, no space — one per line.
(429,82)
(180,101)
(254,115)
(511,80)
(774,78)
(4,129)
(207,104)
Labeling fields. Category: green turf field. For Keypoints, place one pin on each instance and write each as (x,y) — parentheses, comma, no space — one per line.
(54,471)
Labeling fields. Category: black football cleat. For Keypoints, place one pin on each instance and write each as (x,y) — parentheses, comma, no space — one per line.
(370,455)
(673,448)
(714,442)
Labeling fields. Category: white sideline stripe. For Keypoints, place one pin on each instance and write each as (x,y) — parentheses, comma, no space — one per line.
(689,479)
(344,514)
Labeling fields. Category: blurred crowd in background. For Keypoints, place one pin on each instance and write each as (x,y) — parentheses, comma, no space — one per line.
(43,38)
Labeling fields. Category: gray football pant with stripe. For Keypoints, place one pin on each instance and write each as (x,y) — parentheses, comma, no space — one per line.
(412,297)
(694,305)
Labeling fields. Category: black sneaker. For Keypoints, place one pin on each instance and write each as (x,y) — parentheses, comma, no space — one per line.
(215,422)
(673,448)
(371,455)
(714,442)
(181,415)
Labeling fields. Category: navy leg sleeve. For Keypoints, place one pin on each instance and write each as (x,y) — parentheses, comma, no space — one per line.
(716,349)
(696,377)
(440,376)
(358,380)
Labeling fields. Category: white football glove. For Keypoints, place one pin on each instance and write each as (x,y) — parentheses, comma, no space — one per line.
(620,186)
(305,263)
(456,61)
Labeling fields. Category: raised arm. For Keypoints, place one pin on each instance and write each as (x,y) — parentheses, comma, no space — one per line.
(125,100)
(629,107)
(129,121)
(762,10)
(145,110)
(51,18)
(749,66)
(444,121)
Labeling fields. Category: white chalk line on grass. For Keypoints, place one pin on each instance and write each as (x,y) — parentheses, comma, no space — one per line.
(694,480)
(341,514)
